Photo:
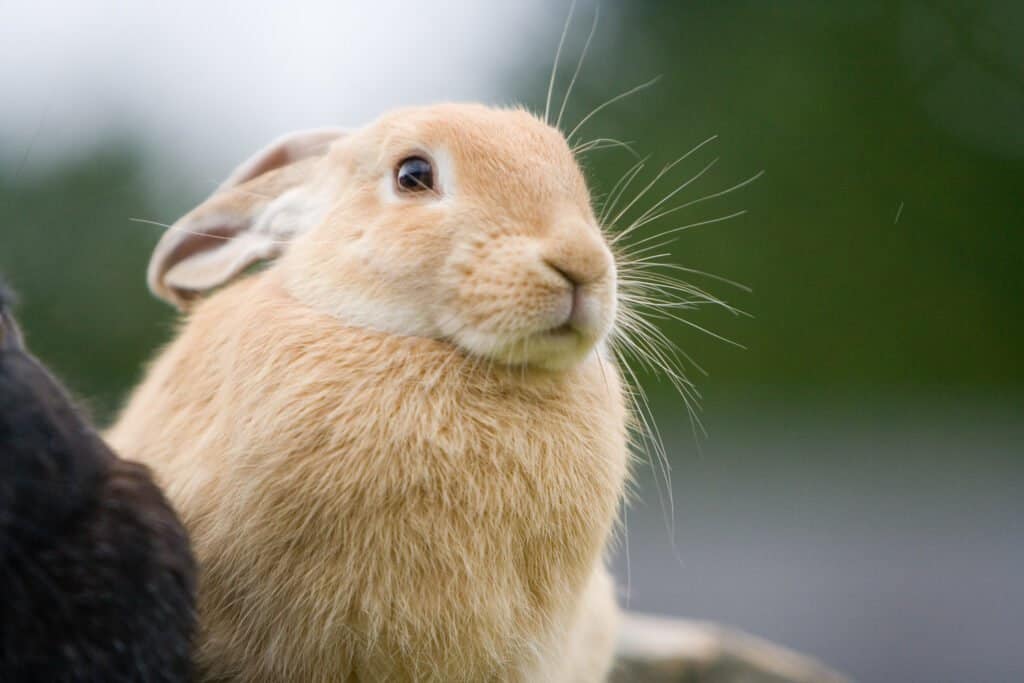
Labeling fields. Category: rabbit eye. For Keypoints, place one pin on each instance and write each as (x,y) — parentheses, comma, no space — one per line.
(414,174)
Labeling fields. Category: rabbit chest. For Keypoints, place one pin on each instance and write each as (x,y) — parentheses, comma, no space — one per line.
(355,497)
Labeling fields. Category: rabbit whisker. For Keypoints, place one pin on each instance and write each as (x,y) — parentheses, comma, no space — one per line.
(645,219)
(558,56)
(609,102)
(619,188)
(210,235)
(603,143)
(579,65)
(665,169)
(688,226)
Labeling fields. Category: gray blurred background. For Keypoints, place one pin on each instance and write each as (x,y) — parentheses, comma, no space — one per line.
(859,496)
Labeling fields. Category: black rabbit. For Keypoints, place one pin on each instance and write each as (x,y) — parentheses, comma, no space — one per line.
(97,578)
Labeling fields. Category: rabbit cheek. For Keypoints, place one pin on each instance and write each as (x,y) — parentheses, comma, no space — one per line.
(503,301)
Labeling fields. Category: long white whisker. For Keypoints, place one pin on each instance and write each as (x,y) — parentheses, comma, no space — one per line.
(649,333)
(199,233)
(579,65)
(649,432)
(604,143)
(709,332)
(665,169)
(618,189)
(651,293)
(613,100)
(642,218)
(694,271)
(681,228)
(661,296)
(554,67)
(645,219)
(629,569)
(639,292)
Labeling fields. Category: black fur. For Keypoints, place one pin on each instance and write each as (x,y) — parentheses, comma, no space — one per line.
(97,579)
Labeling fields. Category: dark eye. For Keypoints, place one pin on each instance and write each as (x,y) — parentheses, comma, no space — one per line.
(414,174)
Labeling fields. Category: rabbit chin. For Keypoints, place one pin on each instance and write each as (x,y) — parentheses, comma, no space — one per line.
(553,349)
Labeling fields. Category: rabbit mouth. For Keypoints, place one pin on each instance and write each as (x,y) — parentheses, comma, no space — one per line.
(573,323)
(564,330)
(556,347)
(553,348)
(583,321)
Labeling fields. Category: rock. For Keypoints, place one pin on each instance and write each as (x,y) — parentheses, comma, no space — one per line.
(660,650)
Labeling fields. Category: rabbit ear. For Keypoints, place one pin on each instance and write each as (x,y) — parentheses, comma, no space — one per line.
(285,150)
(249,218)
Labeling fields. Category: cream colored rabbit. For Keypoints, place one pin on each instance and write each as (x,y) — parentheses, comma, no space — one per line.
(400,449)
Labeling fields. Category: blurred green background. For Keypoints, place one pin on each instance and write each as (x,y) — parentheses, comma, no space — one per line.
(859,496)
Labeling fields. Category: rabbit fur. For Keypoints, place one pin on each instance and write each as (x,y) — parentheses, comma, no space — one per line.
(400,448)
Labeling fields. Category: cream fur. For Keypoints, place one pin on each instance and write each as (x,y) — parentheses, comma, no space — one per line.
(393,467)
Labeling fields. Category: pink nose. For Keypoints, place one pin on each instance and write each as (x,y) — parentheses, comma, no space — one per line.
(585,310)
(578,252)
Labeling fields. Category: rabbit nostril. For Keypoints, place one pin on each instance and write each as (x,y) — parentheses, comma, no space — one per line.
(572,278)
(583,312)
(579,262)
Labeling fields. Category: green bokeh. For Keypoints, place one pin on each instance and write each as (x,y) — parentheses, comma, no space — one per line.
(884,247)
(859,496)
(885,250)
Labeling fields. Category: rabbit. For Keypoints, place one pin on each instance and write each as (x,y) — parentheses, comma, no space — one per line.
(400,446)
(97,579)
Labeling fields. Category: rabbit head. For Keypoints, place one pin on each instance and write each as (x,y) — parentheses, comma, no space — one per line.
(454,222)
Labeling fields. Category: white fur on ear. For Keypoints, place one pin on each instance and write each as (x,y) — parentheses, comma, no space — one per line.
(250,218)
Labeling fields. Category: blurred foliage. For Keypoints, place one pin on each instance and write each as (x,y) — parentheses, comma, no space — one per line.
(884,250)
(78,265)
(884,243)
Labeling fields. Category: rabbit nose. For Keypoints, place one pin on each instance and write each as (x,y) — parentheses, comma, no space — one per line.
(572,279)
(584,309)
(583,265)
(580,259)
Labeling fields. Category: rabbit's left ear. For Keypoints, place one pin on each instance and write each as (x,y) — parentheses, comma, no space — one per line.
(249,218)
